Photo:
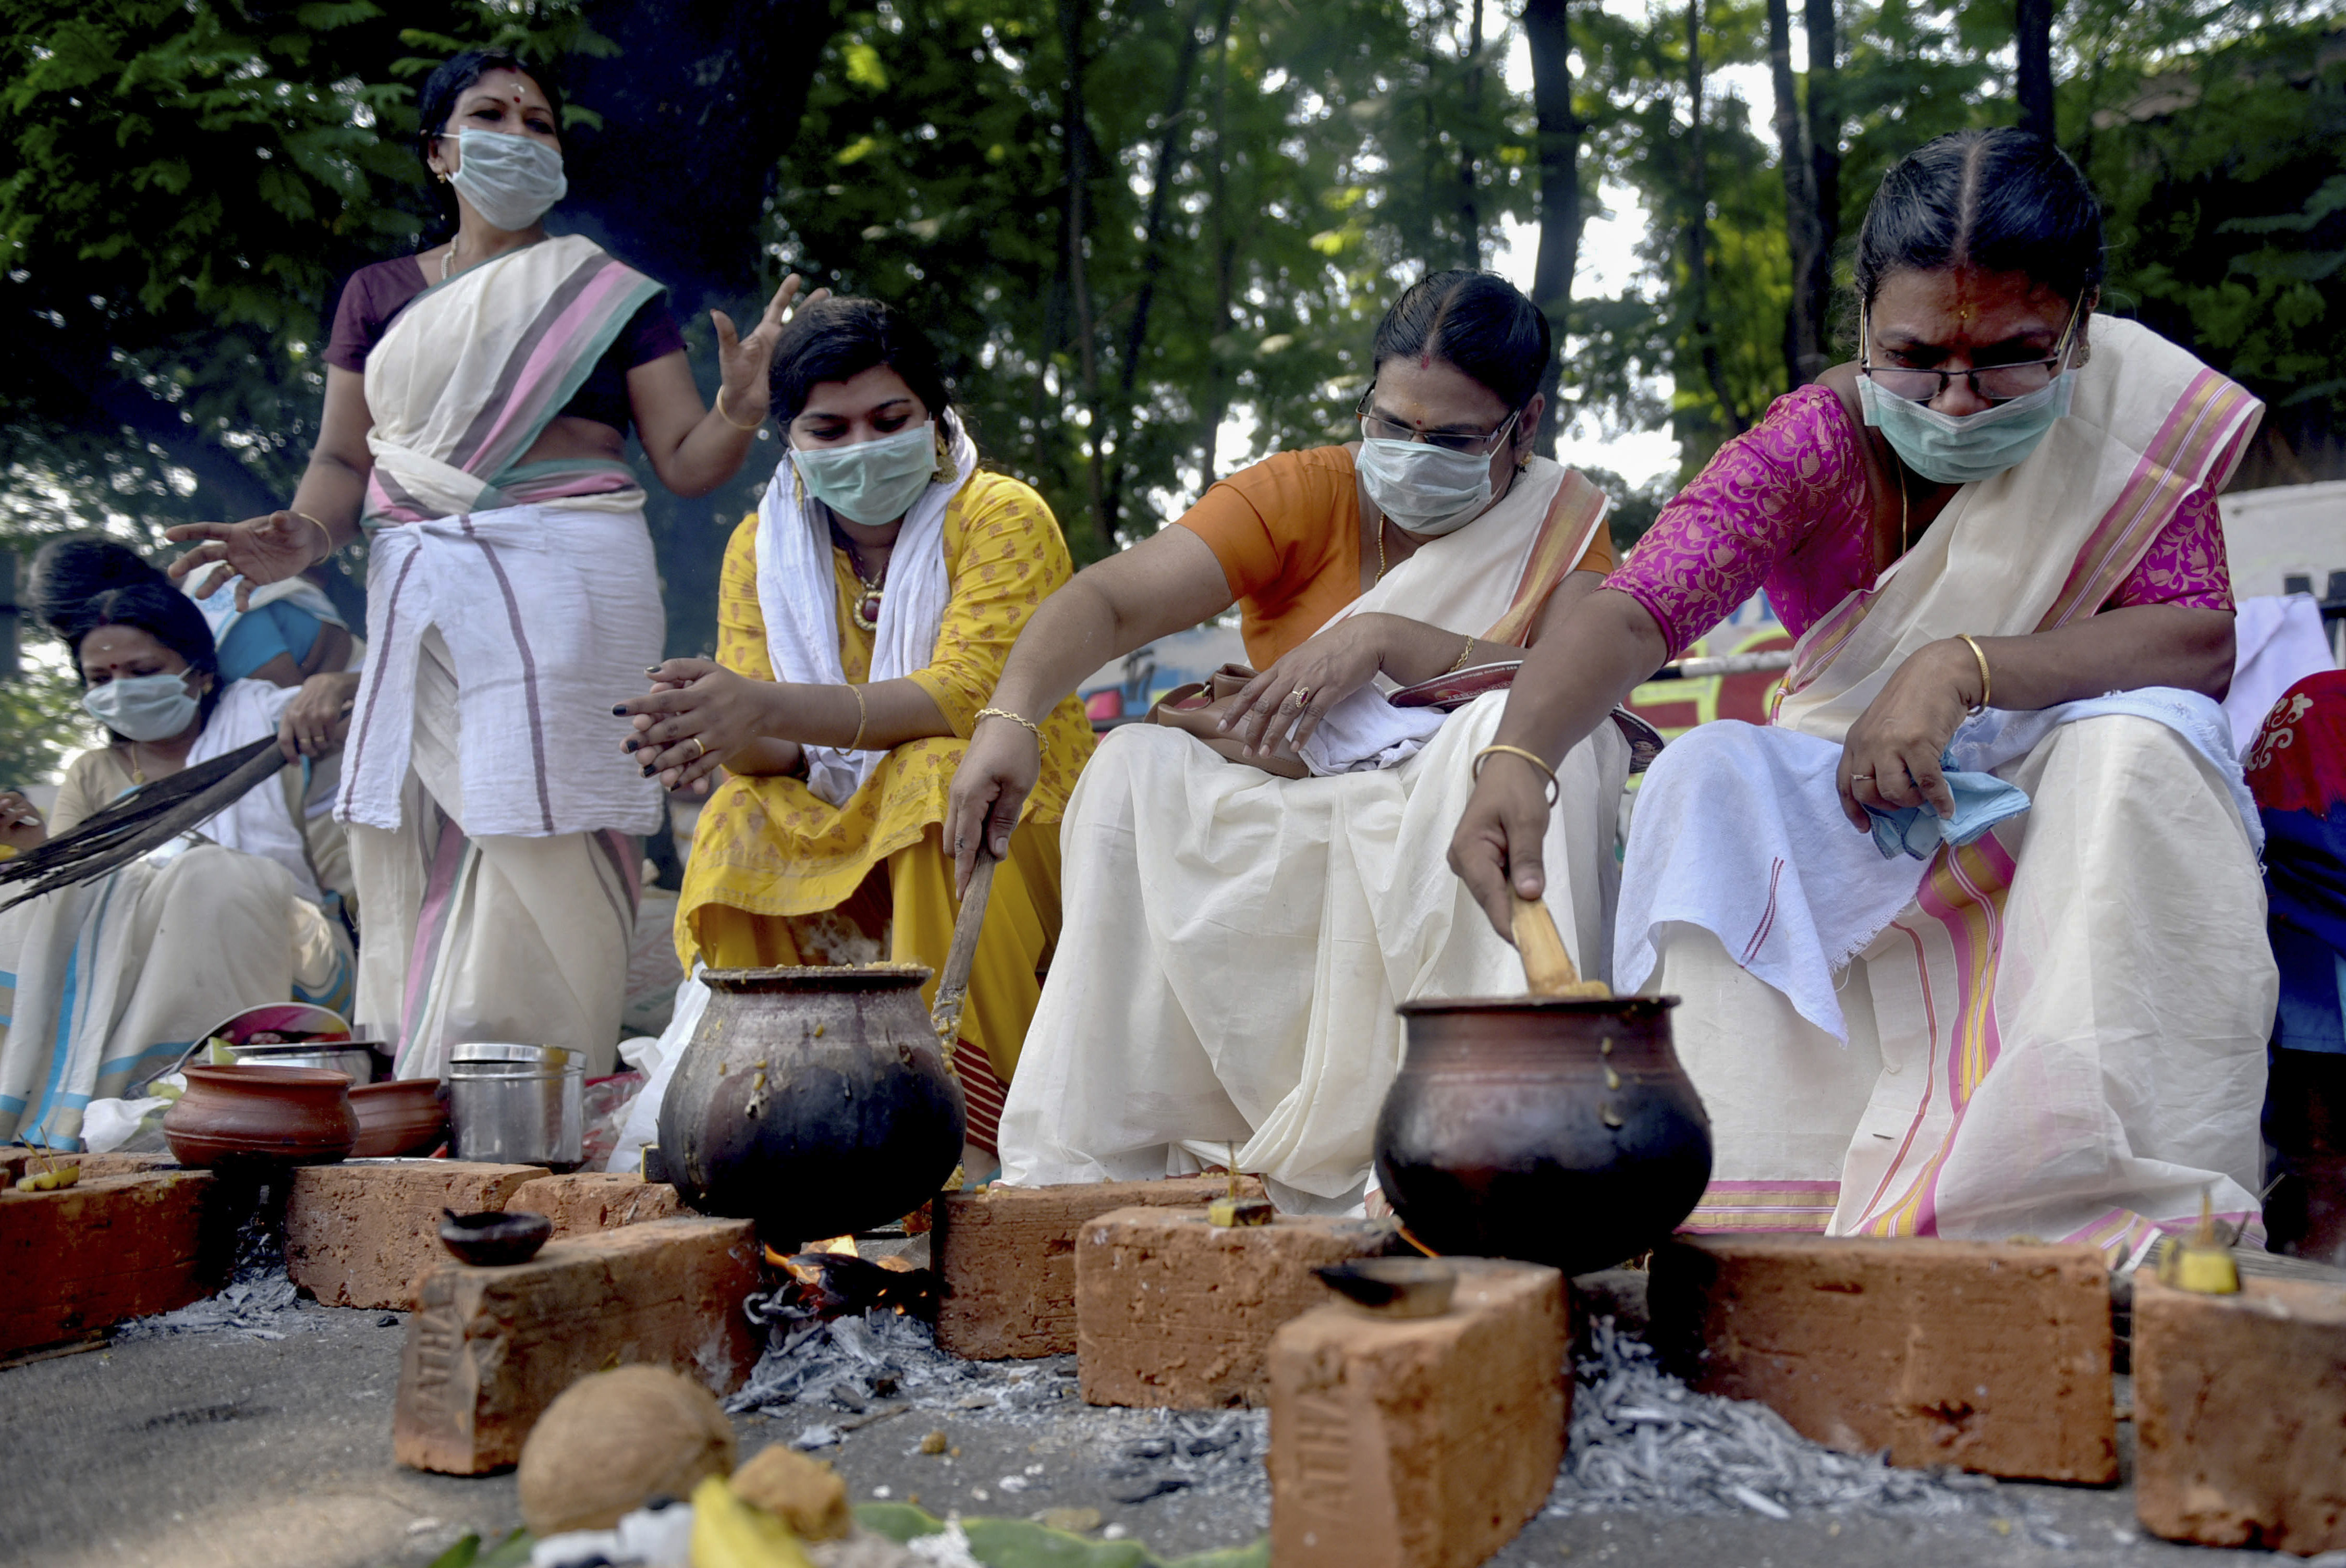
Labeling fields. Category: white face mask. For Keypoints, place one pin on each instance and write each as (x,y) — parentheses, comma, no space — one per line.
(872,482)
(511,180)
(1425,489)
(148,708)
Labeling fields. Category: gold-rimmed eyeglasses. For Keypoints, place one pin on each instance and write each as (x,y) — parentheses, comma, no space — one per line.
(1465,443)
(1995,383)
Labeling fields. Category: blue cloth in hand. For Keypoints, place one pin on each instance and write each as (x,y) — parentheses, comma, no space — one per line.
(1982,801)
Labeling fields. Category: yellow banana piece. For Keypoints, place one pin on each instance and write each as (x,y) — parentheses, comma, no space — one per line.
(728,1533)
(50,1180)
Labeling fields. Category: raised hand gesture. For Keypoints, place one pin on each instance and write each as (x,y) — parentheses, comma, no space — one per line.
(743,362)
(259,550)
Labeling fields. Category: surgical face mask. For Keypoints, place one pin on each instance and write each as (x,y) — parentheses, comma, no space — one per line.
(1948,449)
(872,482)
(142,706)
(511,180)
(1423,488)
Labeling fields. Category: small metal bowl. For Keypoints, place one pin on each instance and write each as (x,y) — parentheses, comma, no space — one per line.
(492,1239)
(1393,1287)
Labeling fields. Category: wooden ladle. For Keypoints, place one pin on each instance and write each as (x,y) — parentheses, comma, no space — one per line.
(1547,968)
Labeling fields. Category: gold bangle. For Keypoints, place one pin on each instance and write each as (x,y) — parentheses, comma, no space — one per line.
(728,418)
(1029,725)
(1978,653)
(321,528)
(1464,654)
(863,714)
(1554,785)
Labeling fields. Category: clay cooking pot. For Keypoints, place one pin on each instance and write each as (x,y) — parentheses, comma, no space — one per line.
(400,1116)
(812,1100)
(1559,1131)
(265,1116)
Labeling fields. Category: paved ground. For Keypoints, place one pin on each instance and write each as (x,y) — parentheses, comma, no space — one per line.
(195,1452)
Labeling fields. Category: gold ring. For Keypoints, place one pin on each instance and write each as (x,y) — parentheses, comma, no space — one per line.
(701,750)
(1302,695)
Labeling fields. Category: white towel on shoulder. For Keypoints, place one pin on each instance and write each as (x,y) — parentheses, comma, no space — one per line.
(801,606)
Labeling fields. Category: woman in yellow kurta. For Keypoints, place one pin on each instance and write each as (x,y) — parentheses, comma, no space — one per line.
(864,613)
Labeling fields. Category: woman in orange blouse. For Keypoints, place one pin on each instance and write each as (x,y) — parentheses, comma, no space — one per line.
(865,610)
(1237,940)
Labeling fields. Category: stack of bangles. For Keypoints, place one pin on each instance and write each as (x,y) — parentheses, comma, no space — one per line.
(1028,725)
(1554,785)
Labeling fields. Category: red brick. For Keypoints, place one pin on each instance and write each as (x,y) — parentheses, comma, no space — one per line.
(584,1202)
(1008,1257)
(1173,1311)
(1419,1443)
(88,1255)
(490,1349)
(15,1162)
(357,1234)
(2240,1408)
(1985,1356)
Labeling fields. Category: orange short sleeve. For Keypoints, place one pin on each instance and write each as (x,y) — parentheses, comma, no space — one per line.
(1287,532)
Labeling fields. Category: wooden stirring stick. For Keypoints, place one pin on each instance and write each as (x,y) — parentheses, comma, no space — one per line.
(1547,968)
(953,991)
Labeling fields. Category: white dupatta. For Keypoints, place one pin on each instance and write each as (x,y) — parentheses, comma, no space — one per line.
(798,598)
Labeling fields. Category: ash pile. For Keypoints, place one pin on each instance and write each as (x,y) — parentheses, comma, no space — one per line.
(823,1377)
(259,1301)
(1642,1441)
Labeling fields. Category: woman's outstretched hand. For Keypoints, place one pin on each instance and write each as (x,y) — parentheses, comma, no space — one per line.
(260,550)
(742,362)
(1296,692)
(1500,838)
(997,773)
(697,714)
(1889,758)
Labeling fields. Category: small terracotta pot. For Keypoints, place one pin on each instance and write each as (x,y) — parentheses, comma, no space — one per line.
(400,1116)
(272,1115)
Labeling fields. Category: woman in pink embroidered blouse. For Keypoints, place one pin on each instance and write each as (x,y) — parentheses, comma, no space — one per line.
(1996,537)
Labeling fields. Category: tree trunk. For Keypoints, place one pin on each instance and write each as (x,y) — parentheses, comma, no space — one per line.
(1152,247)
(2034,48)
(1075,135)
(1470,215)
(1824,163)
(1697,233)
(1223,247)
(1802,330)
(1547,27)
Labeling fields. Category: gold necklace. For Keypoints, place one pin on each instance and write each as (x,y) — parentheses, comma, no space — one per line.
(137,774)
(865,609)
(1381,547)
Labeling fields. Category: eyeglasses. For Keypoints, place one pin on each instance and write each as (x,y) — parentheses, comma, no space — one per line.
(1377,428)
(1996,383)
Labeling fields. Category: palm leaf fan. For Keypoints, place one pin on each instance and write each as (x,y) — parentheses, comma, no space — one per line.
(147,818)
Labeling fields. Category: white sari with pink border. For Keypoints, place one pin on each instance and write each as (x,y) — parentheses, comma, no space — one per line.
(2062,1031)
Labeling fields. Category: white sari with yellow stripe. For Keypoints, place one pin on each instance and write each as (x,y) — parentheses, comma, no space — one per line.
(2062,1034)
(1235,942)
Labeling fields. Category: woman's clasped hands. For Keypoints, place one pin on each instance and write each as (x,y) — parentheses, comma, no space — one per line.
(696,714)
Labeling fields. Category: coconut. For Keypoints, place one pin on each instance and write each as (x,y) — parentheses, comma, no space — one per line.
(616,1439)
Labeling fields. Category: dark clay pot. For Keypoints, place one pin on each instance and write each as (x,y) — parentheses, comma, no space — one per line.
(263,1115)
(812,1100)
(1557,1130)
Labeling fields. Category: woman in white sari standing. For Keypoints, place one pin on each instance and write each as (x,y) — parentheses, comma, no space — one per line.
(1920,998)
(477,398)
(1235,940)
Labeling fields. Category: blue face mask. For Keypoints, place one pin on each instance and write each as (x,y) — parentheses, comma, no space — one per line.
(148,708)
(1946,449)
(872,482)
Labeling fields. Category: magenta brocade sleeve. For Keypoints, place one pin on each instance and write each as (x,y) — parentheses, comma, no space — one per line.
(2185,565)
(1784,502)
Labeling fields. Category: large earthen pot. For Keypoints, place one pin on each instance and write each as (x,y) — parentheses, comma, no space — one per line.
(262,1116)
(814,1101)
(400,1116)
(1558,1131)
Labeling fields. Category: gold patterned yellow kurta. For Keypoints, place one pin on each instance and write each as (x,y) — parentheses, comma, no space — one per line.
(769,852)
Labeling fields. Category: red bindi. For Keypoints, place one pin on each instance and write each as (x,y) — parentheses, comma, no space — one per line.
(1425,361)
